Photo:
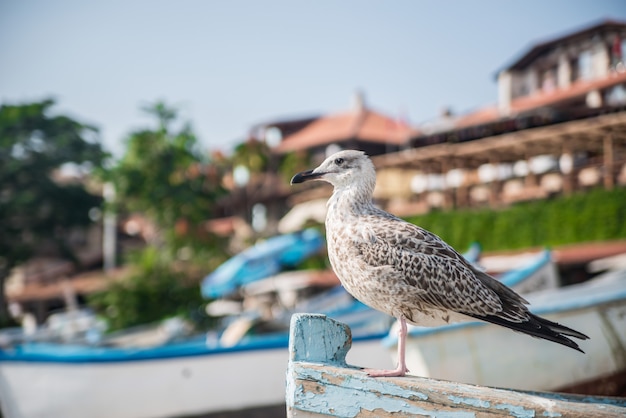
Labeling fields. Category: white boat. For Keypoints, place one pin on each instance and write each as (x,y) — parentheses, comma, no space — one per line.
(485,354)
(539,272)
(195,376)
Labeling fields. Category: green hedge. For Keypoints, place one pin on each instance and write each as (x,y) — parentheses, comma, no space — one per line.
(596,215)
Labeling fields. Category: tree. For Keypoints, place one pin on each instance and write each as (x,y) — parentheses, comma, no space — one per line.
(252,154)
(293,162)
(164,176)
(35,211)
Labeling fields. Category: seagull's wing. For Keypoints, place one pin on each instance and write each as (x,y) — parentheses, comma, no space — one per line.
(445,280)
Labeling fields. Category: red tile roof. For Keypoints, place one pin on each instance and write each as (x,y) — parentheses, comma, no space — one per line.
(540,99)
(483,115)
(577,89)
(366,125)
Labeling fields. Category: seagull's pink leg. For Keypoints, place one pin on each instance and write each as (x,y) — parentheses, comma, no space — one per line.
(401,369)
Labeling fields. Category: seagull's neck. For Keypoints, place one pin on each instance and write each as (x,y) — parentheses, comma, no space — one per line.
(352,199)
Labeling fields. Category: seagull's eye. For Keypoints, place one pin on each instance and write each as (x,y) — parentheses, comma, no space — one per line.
(339,161)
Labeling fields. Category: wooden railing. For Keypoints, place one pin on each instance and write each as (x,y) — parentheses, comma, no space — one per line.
(321,384)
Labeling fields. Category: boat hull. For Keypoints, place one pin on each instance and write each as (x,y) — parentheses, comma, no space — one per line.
(152,386)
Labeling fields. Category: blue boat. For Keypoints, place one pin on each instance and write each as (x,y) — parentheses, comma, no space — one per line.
(262,260)
(194,376)
(540,273)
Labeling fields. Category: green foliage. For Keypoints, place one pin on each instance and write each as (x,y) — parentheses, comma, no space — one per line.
(33,207)
(292,163)
(254,155)
(37,212)
(592,216)
(153,292)
(164,176)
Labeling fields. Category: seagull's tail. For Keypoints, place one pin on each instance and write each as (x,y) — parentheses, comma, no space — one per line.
(539,327)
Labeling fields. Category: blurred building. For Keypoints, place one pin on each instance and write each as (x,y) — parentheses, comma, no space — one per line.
(559,125)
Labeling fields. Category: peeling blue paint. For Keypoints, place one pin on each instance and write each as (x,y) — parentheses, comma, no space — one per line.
(384,387)
(551,414)
(479,403)
(380,386)
(316,338)
(517,411)
(350,402)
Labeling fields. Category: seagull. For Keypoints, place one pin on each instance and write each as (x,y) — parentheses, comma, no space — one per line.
(408,272)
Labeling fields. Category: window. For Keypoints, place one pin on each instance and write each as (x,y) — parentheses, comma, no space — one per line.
(585,67)
(548,80)
(574,69)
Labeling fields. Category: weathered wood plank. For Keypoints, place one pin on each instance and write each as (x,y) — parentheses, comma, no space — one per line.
(321,384)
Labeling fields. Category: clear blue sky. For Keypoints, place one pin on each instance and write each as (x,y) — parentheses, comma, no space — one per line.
(231,64)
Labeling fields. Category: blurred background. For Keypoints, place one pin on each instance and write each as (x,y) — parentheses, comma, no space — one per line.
(146,149)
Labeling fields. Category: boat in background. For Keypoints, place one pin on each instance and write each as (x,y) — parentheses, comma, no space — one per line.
(538,273)
(196,375)
(265,259)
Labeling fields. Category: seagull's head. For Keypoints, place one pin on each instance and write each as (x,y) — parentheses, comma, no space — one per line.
(342,169)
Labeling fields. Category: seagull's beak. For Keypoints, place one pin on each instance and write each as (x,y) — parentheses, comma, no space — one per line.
(306,175)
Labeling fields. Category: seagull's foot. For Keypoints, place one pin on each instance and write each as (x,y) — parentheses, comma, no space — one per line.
(398,372)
